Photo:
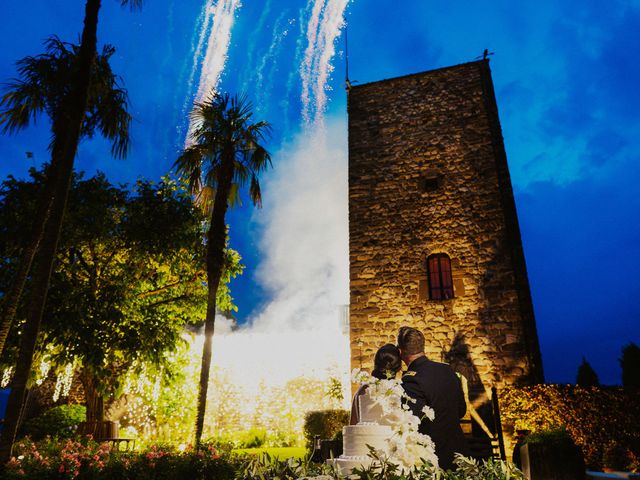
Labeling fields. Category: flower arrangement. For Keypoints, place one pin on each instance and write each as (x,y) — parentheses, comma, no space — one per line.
(407,447)
(85,459)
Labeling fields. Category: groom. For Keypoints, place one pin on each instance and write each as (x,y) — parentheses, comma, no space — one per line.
(437,386)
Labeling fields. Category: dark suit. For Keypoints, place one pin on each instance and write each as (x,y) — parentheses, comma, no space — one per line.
(436,385)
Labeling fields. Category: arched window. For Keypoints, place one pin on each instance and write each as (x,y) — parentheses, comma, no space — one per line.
(439,277)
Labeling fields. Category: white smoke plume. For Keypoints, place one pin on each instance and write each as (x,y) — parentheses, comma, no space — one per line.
(304,224)
(305,241)
(305,269)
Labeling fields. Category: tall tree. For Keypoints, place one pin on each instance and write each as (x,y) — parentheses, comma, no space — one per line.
(630,363)
(67,129)
(129,276)
(587,376)
(226,153)
(42,88)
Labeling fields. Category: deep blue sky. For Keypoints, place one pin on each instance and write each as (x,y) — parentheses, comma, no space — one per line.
(566,77)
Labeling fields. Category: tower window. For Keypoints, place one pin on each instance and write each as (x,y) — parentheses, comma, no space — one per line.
(430,181)
(439,277)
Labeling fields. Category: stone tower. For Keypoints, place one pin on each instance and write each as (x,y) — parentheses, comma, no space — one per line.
(434,241)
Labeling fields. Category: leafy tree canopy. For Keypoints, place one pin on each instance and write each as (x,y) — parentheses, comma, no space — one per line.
(130,275)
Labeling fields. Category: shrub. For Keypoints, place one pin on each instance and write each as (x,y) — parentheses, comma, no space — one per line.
(616,456)
(553,436)
(89,460)
(61,421)
(324,423)
(253,438)
(592,416)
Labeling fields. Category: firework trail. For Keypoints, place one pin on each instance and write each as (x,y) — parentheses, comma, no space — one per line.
(264,85)
(217,21)
(324,27)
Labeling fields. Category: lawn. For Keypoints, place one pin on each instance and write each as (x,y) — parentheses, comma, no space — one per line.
(278,452)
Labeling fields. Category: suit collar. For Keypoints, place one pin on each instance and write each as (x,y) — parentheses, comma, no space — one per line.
(417,362)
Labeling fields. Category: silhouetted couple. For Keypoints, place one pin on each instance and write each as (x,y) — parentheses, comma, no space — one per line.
(430,384)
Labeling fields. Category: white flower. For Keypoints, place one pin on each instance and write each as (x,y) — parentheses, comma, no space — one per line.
(428,412)
(407,447)
(361,377)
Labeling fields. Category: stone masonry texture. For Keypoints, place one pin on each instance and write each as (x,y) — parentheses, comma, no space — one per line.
(439,128)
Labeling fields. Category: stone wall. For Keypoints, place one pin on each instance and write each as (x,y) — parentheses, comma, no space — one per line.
(428,174)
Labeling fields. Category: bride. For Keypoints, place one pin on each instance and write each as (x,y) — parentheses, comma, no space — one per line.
(386,364)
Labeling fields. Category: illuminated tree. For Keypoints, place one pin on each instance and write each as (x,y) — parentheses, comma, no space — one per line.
(68,122)
(129,276)
(587,376)
(225,154)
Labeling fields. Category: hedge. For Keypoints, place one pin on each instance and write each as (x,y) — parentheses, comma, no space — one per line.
(324,423)
(595,417)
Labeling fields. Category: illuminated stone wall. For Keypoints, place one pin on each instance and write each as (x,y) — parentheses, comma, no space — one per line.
(428,174)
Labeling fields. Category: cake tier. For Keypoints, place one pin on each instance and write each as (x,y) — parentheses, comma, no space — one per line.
(369,411)
(347,464)
(356,438)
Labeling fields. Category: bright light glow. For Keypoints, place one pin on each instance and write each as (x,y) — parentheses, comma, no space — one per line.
(7,373)
(272,370)
(63,382)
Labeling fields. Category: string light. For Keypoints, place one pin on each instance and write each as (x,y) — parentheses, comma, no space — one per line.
(6,377)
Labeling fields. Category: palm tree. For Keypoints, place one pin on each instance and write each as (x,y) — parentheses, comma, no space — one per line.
(43,87)
(48,84)
(225,154)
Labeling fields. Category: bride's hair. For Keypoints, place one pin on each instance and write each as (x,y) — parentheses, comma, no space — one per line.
(387,362)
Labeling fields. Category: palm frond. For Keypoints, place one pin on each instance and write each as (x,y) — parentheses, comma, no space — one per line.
(205,198)
(44,85)
(189,167)
(221,129)
(254,192)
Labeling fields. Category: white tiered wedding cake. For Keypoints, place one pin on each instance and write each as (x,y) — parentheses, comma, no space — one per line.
(387,424)
(373,430)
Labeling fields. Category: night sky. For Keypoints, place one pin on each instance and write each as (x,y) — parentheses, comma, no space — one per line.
(566,76)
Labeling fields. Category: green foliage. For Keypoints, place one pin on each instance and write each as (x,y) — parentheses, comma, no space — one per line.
(553,436)
(130,274)
(586,377)
(89,460)
(325,423)
(490,469)
(593,417)
(61,421)
(630,363)
(266,467)
(277,452)
(253,438)
(334,390)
